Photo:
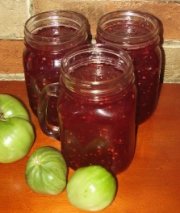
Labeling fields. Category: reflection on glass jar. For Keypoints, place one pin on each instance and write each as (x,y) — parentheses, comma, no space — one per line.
(139,34)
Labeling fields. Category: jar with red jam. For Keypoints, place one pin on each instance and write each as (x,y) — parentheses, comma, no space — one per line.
(48,36)
(96,107)
(139,34)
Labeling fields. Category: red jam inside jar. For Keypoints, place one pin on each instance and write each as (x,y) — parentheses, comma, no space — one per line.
(138,34)
(96,108)
(48,36)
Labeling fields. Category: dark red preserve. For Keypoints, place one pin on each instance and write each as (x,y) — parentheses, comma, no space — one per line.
(96,108)
(139,34)
(48,36)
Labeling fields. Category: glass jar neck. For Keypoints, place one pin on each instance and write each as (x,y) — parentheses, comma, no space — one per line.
(56,29)
(128,29)
(97,71)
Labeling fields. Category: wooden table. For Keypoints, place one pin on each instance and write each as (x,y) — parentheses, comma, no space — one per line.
(150,185)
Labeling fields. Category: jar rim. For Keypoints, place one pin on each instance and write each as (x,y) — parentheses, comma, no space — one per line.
(55,17)
(147,19)
(94,87)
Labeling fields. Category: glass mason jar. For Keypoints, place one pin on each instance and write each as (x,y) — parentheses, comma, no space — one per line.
(139,34)
(48,36)
(96,107)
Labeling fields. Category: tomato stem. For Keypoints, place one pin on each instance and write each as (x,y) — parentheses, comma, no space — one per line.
(2,117)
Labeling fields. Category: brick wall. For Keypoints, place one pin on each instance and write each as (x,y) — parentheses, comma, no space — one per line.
(14,13)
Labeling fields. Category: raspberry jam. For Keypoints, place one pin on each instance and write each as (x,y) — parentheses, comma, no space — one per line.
(48,36)
(96,107)
(137,33)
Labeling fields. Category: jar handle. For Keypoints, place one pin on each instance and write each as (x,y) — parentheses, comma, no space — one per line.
(50,90)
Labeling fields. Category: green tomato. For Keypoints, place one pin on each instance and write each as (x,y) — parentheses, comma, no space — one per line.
(17,133)
(12,107)
(91,188)
(46,171)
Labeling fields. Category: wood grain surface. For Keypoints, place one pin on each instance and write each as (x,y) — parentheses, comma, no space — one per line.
(151,184)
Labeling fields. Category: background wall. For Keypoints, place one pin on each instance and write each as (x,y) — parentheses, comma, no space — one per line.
(14,13)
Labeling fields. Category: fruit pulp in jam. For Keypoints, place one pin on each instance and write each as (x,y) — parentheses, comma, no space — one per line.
(147,71)
(97,132)
(42,65)
(147,65)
